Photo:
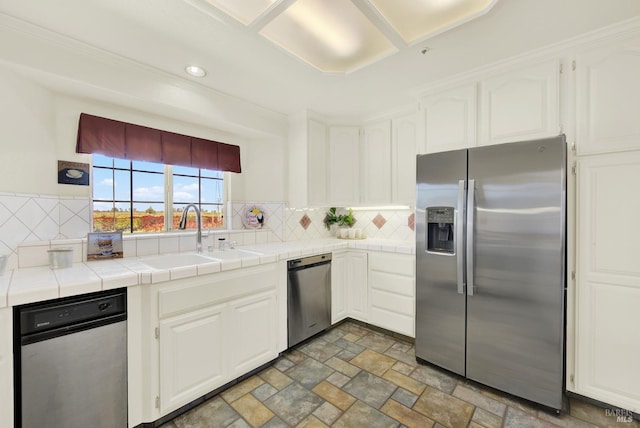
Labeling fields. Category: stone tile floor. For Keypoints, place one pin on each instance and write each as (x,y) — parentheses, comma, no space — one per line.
(352,376)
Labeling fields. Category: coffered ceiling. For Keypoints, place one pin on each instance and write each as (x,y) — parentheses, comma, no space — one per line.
(243,49)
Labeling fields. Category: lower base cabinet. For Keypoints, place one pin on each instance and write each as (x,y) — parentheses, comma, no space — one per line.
(209,330)
(392,292)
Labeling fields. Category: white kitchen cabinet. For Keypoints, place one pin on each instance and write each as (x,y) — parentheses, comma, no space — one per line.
(376,163)
(251,332)
(343,166)
(403,160)
(608,97)
(207,331)
(192,352)
(449,119)
(338,286)
(608,280)
(317,163)
(392,292)
(520,105)
(357,302)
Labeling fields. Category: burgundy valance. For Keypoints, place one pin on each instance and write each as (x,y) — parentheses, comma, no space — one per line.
(128,141)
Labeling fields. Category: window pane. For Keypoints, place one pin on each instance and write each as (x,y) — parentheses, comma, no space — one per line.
(148,166)
(211,173)
(122,163)
(185,170)
(212,190)
(101,160)
(148,187)
(212,216)
(103,184)
(185,189)
(103,217)
(148,217)
(122,185)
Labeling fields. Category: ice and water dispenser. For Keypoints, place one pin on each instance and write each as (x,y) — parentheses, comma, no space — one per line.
(440,230)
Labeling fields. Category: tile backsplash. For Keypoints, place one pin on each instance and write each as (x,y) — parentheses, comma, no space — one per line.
(28,218)
(307,223)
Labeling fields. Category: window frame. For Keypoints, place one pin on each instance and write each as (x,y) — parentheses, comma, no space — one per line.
(168,201)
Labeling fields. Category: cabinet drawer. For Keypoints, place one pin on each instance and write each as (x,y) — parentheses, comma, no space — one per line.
(399,264)
(192,293)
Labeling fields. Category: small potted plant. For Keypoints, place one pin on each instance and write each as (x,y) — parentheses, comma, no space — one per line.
(331,218)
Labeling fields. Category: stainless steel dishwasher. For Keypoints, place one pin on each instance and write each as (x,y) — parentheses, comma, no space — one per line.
(309,297)
(71,362)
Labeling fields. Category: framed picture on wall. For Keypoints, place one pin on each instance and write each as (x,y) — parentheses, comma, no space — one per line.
(73,173)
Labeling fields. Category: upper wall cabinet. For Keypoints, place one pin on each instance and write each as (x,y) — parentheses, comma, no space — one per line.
(608,97)
(449,119)
(343,165)
(403,160)
(316,163)
(520,105)
(376,167)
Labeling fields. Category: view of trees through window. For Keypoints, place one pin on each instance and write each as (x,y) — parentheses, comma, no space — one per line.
(135,197)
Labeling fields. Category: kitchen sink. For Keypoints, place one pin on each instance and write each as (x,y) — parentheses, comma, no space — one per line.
(170,261)
(233,254)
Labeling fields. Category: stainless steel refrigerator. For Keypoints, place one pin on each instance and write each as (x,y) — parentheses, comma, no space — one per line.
(490,265)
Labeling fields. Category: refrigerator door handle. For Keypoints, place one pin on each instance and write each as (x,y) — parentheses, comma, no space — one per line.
(459,227)
(470,231)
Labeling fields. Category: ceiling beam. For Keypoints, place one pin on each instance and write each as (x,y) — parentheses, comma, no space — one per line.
(270,14)
(381,23)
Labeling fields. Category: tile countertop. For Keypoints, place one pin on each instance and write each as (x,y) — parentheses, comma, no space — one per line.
(41,283)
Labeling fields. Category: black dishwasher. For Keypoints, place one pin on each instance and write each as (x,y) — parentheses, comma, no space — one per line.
(308,297)
(70,359)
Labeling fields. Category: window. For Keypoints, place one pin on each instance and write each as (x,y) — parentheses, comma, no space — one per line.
(136,196)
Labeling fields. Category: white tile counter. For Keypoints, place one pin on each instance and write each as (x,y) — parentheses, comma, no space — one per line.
(40,283)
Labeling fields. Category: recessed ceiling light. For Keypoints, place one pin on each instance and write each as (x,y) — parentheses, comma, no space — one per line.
(195,71)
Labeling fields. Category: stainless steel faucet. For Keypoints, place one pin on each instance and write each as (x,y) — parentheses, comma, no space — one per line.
(183,224)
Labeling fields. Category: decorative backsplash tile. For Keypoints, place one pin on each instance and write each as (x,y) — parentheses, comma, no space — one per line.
(411,222)
(379,221)
(305,221)
(273,216)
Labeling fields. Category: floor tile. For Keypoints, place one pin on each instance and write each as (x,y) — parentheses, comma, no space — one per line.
(342,366)
(373,362)
(332,335)
(377,342)
(338,379)
(334,395)
(443,408)
(404,381)
(327,413)
(244,387)
(311,422)
(371,389)
(264,391)
(403,368)
(214,412)
(276,378)
(406,416)
(310,373)
(252,410)
(486,419)
(602,417)
(435,378)
(516,418)
(283,364)
(476,398)
(320,350)
(362,416)
(405,397)
(294,403)
(349,346)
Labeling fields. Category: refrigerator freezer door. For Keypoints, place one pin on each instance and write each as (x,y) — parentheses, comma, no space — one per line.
(440,302)
(515,317)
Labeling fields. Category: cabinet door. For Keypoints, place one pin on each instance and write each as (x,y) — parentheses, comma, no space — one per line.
(338,287)
(520,105)
(608,98)
(449,119)
(608,280)
(252,332)
(343,165)
(191,356)
(357,301)
(392,292)
(403,160)
(376,163)
(317,163)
